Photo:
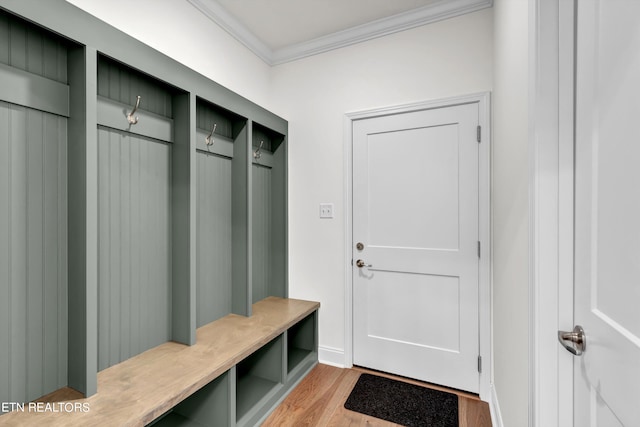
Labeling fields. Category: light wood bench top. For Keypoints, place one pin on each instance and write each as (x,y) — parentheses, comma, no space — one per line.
(140,389)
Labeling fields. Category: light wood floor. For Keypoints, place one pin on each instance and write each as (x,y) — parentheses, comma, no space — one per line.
(319,401)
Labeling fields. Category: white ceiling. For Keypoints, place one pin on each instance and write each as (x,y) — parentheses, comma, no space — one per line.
(279,31)
(280,23)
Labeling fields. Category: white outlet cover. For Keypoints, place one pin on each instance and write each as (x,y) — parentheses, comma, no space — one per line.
(326,210)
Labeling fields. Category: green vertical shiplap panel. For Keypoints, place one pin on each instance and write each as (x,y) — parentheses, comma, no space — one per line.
(183,219)
(82,163)
(240,205)
(123,220)
(5,39)
(269,214)
(214,238)
(53,247)
(207,115)
(117,82)
(34,53)
(18,281)
(103,247)
(112,257)
(5,247)
(261,231)
(32,49)
(130,265)
(33,222)
(33,252)
(62,337)
(147,221)
(35,302)
(18,45)
(126,213)
(216,287)
(135,279)
(50,63)
(279,222)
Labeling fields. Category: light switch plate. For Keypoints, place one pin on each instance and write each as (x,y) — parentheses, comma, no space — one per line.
(326,210)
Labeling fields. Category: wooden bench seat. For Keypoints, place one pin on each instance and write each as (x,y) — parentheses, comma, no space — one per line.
(141,389)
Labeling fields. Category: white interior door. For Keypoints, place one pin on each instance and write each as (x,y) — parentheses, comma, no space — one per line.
(415,213)
(607,213)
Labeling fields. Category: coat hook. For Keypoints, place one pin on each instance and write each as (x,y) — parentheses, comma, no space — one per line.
(209,140)
(257,154)
(130,117)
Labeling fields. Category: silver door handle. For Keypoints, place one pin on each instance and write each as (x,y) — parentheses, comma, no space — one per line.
(360,263)
(575,342)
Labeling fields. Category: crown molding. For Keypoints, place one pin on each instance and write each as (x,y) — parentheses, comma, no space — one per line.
(443,9)
(218,14)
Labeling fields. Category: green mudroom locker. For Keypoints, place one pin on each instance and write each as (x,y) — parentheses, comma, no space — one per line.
(143,225)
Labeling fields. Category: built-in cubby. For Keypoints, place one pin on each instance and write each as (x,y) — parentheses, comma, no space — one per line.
(221,223)
(211,406)
(40,229)
(137,136)
(269,213)
(143,233)
(302,343)
(259,377)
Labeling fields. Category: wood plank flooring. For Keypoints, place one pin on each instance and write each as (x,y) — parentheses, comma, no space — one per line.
(319,401)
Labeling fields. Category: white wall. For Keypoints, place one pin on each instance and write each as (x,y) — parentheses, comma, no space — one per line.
(510,210)
(180,31)
(444,59)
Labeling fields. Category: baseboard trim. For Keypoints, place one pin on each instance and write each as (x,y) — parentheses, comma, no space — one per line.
(331,356)
(494,409)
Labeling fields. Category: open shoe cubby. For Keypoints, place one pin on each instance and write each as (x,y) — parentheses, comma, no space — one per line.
(211,406)
(302,344)
(126,236)
(259,378)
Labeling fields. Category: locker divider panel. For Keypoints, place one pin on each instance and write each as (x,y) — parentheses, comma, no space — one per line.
(183,220)
(83,222)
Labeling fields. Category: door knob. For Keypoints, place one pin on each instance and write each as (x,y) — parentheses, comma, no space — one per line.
(360,263)
(575,342)
(360,246)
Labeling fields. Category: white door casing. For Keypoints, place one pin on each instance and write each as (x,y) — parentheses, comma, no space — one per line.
(551,186)
(607,213)
(604,108)
(420,255)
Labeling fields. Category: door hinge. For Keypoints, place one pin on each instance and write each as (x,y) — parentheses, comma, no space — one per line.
(480,364)
(479,249)
(479,133)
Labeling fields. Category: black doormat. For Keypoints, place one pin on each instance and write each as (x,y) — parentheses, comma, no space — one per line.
(402,403)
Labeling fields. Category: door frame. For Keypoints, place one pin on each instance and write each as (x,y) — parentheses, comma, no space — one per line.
(551,168)
(483,100)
